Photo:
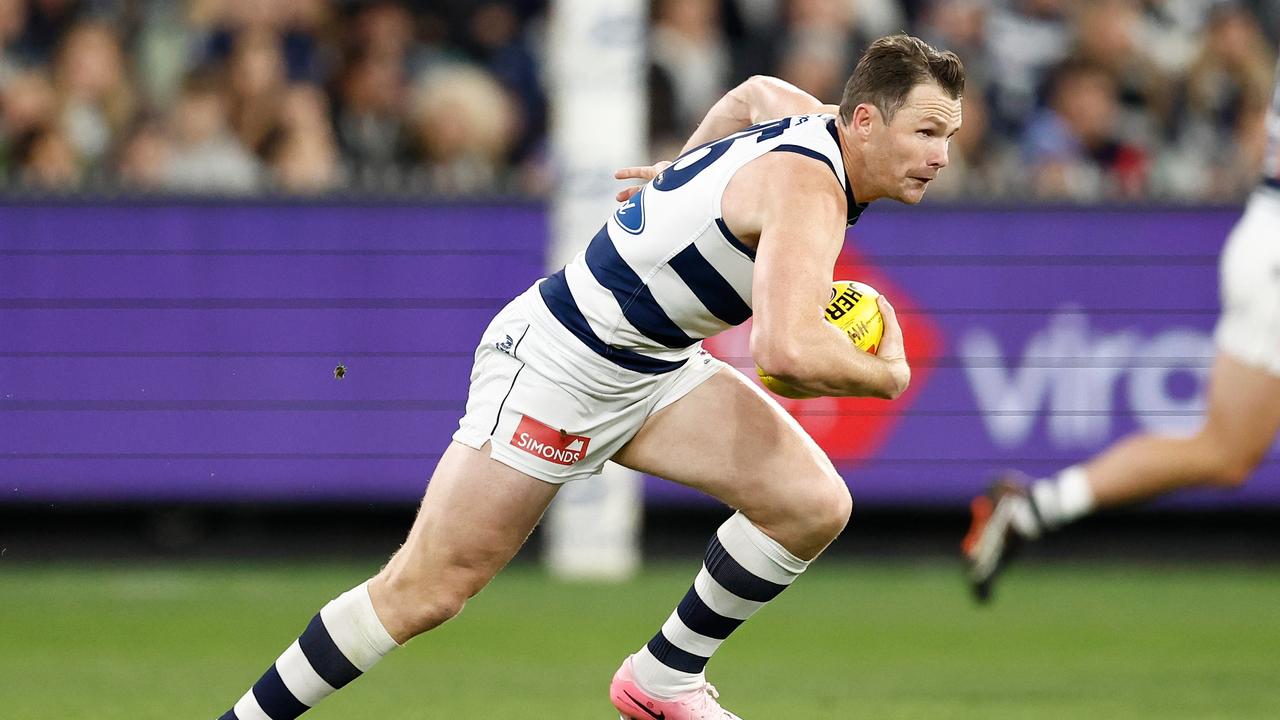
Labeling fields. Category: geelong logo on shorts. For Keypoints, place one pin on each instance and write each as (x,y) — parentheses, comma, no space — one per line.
(543,441)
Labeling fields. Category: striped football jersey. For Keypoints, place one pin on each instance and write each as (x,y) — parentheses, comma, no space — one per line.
(665,271)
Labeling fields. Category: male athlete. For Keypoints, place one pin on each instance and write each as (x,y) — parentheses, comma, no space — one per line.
(1240,424)
(601,361)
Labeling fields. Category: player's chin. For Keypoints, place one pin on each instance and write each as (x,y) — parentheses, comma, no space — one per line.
(913,191)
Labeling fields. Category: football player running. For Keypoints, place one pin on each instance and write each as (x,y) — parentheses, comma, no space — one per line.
(602,361)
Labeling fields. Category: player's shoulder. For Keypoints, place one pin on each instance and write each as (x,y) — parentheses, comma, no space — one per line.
(814,137)
(788,167)
(787,184)
(815,126)
(800,174)
(808,149)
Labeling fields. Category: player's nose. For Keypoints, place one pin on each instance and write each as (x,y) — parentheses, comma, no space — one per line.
(939,157)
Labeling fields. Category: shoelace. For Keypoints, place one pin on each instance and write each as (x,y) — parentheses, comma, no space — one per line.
(712,695)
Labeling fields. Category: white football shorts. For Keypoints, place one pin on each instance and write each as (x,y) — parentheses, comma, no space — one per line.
(1249,328)
(551,407)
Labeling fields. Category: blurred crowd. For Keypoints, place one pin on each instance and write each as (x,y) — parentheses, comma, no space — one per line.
(237,97)
(1080,101)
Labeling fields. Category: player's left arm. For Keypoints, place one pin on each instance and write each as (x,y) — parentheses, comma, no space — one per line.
(758,99)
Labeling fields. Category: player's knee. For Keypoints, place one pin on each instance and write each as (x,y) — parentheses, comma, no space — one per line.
(433,609)
(420,604)
(1234,472)
(1229,465)
(431,612)
(841,508)
(828,509)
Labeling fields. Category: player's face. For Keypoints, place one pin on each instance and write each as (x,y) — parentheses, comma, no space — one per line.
(909,151)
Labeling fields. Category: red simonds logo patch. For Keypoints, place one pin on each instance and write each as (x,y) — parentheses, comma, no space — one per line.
(543,441)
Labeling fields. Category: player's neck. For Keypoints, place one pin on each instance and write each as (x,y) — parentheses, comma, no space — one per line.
(855,167)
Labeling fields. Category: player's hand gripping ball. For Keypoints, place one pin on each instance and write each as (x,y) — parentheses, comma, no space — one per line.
(853,309)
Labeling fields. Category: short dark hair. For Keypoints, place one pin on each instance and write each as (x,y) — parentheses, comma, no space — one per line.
(891,67)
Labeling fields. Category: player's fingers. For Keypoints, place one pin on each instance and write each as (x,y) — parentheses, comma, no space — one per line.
(887,311)
(891,344)
(633,173)
(625,195)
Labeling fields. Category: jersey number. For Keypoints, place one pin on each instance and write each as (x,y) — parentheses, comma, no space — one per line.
(677,175)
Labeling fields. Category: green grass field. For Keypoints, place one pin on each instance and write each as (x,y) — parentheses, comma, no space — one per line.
(851,640)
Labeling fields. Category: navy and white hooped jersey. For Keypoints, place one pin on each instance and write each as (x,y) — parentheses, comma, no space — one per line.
(665,271)
(1271,159)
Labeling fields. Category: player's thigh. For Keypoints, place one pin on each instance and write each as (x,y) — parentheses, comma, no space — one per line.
(730,440)
(1249,281)
(1244,386)
(1243,413)
(474,517)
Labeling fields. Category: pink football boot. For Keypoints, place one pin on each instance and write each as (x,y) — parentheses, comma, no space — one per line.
(636,704)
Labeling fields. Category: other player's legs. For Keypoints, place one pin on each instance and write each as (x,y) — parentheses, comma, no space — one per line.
(730,440)
(474,517)
(1241,421)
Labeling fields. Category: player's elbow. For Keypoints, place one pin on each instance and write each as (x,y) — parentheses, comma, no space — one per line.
(897,385)
(879,391)
(768,98)
(778,358)
(784,351)
(757,82)
(751,93)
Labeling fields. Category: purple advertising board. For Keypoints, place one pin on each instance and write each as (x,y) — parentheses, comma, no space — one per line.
(1037,337)
(187,352)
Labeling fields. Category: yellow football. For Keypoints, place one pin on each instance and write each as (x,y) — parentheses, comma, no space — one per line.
(854,310)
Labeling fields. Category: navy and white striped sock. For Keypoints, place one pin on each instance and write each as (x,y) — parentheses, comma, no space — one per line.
(743,570)
(343,640)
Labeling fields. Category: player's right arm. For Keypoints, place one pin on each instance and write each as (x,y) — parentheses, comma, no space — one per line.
(799,209)
(756,100)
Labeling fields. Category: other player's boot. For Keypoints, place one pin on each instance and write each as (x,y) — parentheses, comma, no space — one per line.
(636,704)
(1002,519)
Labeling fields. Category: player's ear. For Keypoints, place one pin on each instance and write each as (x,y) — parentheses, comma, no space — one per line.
(864,117)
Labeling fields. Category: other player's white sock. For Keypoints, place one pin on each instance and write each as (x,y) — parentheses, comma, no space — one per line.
(1064,498)
(743,569)
(343,641)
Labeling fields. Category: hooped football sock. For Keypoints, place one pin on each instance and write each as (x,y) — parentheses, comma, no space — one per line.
(742,571)
(344,639)
(1064,498)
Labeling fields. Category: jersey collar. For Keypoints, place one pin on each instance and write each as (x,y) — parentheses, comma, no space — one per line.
(855,208)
